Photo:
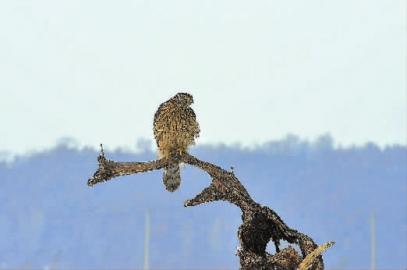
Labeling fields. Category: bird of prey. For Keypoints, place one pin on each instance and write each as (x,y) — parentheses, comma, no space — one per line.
(175,129)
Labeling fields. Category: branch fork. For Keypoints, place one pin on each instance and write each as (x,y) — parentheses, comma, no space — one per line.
(260,223)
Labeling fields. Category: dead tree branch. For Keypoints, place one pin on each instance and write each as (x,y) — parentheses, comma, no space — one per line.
(260,223)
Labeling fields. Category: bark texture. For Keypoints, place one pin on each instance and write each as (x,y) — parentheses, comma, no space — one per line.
(260,223)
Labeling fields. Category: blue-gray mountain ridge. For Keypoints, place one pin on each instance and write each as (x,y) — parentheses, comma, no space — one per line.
(51,219)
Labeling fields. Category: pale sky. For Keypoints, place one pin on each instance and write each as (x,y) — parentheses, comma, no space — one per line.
(97,70)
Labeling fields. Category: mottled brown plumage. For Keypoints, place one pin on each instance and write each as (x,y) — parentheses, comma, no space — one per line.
(175,128)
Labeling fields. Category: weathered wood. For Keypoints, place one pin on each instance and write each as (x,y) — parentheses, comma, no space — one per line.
(260,223)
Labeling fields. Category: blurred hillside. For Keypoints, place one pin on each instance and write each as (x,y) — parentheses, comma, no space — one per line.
(51,219)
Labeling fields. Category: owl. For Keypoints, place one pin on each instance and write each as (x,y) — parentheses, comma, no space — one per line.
(175,129)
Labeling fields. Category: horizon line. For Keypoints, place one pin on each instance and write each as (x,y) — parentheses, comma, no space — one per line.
(144,144)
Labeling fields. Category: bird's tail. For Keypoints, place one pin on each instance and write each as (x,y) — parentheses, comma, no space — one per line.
(172,177)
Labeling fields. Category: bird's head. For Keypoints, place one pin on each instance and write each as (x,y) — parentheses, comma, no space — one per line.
(184,99)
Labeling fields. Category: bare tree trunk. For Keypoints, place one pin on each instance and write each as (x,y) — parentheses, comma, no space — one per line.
(260,223)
